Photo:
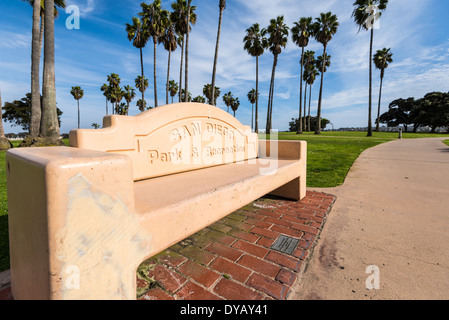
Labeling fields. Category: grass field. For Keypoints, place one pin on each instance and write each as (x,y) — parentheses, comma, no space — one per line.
(446,142)
(330,156)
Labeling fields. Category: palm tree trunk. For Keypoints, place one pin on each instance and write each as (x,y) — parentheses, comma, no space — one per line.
(256,120)
(380,99)
(272,92)
(370,125)
(252,116)
(78,113)
(154,68)
(106,105)
(305,102)
(49,121)
(310,102)
(268,125)
(35,71)
(318,117)
(180,72)
(142,81)
(168,74)
(300,94)
(212,102)
(186,98)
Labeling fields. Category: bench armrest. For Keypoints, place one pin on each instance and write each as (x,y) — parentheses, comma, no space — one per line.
(283,150)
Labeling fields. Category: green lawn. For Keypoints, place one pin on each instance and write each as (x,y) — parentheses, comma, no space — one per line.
(330,156)
(446,142)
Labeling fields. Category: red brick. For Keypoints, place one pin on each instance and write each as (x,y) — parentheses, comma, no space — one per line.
(235,291)
(286,277)
(168,279)
(199,273)
(292,213)
(267,243)
(192,291)
(301,253)
(283,260)
(269,286)
(265,233)
(232,269)
(197,254)
(259,265)
(220,237)
(287,231)
(171,258)
(298,226)
(280,222)
(259,223)
(296,219)
(224,251)
(237,224)
(251,237)
(156,294)
(250,248)
(5,294)
(270,213)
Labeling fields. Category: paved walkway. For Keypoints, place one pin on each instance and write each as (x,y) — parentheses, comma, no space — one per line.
(392,212)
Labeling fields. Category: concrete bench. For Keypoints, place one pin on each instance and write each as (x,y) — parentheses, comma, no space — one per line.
(83,218)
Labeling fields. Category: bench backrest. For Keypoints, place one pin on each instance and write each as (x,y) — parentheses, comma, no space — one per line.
(172,139)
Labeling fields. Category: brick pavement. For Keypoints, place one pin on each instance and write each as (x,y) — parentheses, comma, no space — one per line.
(232,259)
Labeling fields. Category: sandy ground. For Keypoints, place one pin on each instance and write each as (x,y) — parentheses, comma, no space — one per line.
(389,226)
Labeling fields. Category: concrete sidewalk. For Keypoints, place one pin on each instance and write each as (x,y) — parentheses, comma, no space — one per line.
(392,212)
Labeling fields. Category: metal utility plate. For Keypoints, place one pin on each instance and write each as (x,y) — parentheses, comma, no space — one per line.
(285,244)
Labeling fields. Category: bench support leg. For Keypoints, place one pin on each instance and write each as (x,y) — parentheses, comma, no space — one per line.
(294,190)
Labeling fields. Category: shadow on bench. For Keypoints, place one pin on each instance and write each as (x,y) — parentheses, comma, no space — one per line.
(94,211)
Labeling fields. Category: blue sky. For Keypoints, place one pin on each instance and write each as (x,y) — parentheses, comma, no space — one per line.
(415,30)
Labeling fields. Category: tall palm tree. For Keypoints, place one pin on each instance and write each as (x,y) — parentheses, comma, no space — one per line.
(129,95)
(252,98)
(365,13)
(106,92)
(179,18)
(255,43)
(312,73)
(170,41)
(157,20)
(301,35)
(278,37)
(139,35)
(309,62)
(36,47)
(207,91)
(173,87)
(77,94)
(139,82)
(324,29)
(189,8)
(382,59)
(227,99)
(235,104)
(114,84)
(49,120)
(221,6)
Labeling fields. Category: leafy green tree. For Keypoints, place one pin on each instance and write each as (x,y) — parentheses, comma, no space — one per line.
(77,94)
(294,124)
(399,113)
(365,14)
(255,44)
(324,29)
(382,59)
(301,34)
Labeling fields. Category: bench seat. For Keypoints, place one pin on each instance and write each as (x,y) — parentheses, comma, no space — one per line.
(177,205)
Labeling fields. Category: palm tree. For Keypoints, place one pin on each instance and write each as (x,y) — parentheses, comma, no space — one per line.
(199,99)
(139,82)
(179,18)
(170,41)
(95,125)
(221,6)
(312,73)
(114,84)
(235,104)
(324,29)
(4,142)
(278,32)
(365,13)
(185,98)
(157,20)
(381,60)
(36,47)
(207,91)
(189,8)
(227,99)
(49,120)
(106,92)
(309,62)
(129,95)
(142,105)
(252,98)
(77,94)
(301,35)
(173,87)
(255,44)
(139,35)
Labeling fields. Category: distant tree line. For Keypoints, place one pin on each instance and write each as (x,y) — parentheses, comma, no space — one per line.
(430,111)
(295,124)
